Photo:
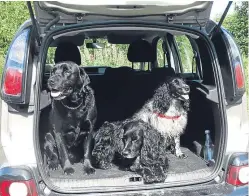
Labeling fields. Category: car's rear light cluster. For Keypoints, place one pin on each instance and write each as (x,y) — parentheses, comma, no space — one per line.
(18,188)
(238,170)
(239,77)
(237,62)
(13,78)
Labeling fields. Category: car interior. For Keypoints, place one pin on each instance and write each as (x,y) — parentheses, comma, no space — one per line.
(120,91)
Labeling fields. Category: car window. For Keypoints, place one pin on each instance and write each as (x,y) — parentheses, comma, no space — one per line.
(186,54)
(112,55)
(161,56)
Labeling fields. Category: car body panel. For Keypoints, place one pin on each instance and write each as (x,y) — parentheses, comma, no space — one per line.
(177,12)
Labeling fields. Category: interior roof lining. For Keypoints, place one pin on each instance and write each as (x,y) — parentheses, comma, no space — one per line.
(127,28)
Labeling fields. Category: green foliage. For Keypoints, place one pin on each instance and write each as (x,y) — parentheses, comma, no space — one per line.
(12,15)
(237,24)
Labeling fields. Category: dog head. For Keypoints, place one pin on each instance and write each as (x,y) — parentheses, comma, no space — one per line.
(173,88)
(133,139)
(140,139)
(67,78)
(179,89)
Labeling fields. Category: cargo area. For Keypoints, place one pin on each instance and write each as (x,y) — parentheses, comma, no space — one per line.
(120,91)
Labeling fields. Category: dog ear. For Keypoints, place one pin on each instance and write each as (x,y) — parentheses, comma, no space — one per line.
(119,133)
(84,77)
(161,99)
(152,142)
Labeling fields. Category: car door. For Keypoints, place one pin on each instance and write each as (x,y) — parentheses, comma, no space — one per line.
(232,73)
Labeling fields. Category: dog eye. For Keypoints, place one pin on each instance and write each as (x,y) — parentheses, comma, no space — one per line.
(177,82)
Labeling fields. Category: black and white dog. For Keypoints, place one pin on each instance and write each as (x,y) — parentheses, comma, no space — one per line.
(72,117)
(167,111)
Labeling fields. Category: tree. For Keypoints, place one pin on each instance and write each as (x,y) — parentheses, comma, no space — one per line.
(237,24)
(12,15)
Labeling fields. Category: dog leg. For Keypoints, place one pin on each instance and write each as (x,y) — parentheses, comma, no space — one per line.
(178,151)
(65,162)
(159,173)
(148,175)
(88,168)
(50,152)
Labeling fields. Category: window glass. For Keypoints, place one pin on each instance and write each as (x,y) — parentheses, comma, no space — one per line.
(186,53)
(161,57)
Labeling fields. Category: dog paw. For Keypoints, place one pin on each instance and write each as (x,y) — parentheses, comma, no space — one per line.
(89,170)
(68,170)
(148,176)
(105,165)
(182,156)
(53,165)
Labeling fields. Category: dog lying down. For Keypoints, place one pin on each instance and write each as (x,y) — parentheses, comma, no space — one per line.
(72,117)
(132,145)
(167,112)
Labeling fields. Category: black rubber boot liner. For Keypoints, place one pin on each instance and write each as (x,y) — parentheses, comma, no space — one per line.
(179,169)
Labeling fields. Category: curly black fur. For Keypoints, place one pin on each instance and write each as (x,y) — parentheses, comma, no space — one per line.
(108,141)
(147,147)
(140,148)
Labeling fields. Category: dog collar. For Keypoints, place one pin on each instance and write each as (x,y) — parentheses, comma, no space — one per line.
(167,117)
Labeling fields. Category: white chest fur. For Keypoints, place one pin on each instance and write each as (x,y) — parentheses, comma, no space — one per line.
(167,126)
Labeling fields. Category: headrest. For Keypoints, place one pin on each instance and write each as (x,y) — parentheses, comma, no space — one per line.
(163,71)
(140,51)
(67,51)
(118,72)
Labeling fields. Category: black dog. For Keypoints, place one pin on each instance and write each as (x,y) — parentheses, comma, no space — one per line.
(147,147)
(140,147)
(108,142)
(167,111)
(72,118)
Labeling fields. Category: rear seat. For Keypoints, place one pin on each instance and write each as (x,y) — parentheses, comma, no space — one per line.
(122,91)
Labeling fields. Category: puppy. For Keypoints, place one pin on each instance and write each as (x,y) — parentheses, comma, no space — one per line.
(167,111)
(146,147)
(73,116)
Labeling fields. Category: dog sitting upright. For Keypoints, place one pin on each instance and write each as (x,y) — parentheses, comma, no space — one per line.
(167,111)
(72,117)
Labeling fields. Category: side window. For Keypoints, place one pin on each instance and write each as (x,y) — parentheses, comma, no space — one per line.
(187,54)
(161,56)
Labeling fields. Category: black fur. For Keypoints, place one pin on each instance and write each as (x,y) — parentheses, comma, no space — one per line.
(140,148)
(107,142)
(147,147)
(72,118)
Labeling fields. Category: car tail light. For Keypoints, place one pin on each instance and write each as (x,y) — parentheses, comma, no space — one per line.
(14,75)
(238,170)
(238,175)
(18,188)
(239,76)
(237,63)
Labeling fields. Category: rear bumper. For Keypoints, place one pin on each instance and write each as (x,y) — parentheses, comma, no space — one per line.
(240,191)
(25,173)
